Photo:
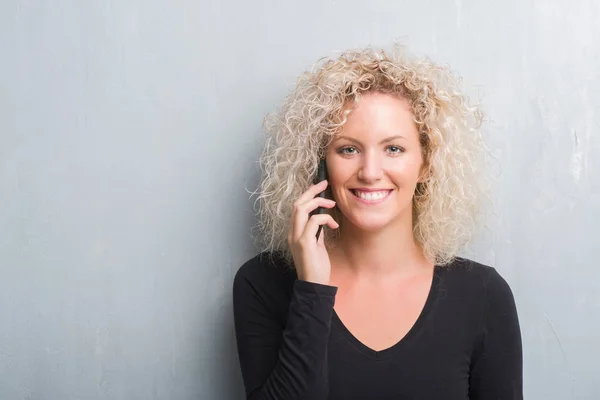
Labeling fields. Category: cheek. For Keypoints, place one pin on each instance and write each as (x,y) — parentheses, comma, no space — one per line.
(338,193)
(412,169)
(338,179)
(406,174)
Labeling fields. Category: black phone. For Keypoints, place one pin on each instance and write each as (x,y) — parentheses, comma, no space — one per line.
(321,175)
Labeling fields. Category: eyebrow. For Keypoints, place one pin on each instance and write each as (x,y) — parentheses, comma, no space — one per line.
(389,139)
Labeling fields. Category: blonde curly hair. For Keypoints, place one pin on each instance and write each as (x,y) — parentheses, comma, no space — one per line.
(447,206)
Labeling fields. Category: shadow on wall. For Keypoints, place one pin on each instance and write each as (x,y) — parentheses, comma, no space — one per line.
(229,379)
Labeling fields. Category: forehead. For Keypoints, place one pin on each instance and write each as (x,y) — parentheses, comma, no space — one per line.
(376,116)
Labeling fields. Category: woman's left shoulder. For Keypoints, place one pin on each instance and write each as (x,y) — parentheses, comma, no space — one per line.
(474,276)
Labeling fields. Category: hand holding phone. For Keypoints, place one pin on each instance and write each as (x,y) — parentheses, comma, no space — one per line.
(311,258)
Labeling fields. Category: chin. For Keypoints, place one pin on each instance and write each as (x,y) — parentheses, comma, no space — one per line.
(371,224)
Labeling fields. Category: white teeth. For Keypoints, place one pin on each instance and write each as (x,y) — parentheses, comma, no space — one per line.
(371,195)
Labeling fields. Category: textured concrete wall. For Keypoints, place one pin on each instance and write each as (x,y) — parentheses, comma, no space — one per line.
(129,132)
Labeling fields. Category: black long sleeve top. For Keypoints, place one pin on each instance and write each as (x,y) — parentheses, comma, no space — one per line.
(465,344)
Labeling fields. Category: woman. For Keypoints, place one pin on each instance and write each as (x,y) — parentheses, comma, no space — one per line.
(379,306)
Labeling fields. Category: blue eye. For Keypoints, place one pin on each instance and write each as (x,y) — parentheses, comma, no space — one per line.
(342,150)
(399,149)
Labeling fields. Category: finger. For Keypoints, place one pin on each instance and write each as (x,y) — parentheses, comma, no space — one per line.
(310,232)
(312,191)
(302,214)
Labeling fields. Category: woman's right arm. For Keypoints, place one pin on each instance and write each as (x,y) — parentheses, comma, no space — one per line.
(283,362)
(288,360)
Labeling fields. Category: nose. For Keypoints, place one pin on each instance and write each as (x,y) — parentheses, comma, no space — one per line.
(370,169)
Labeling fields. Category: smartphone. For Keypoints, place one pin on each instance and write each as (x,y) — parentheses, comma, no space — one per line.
(321,175)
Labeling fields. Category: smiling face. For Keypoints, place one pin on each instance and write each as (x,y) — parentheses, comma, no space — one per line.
(378,150)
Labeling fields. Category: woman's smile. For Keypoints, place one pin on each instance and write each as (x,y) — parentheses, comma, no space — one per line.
(371,197)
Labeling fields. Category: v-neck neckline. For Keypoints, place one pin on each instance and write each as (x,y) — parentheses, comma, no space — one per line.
(406,339)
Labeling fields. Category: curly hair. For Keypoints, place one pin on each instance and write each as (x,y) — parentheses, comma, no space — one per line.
(448,204)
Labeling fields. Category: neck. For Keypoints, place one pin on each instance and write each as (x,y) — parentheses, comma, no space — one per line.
(389,252)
